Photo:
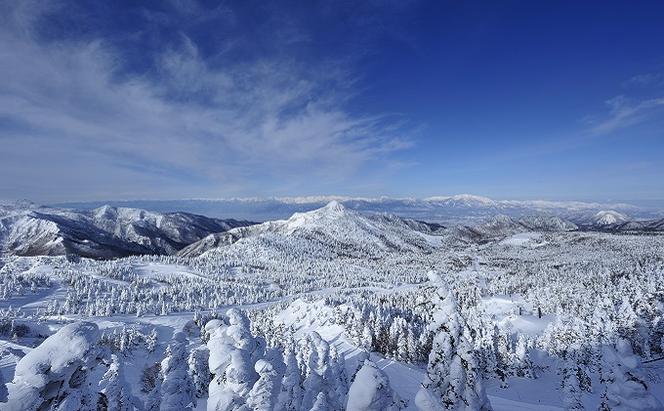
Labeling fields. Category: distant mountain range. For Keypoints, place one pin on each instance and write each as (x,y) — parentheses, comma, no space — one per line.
(337,231)
(446,210)
(352,224)
(105,232)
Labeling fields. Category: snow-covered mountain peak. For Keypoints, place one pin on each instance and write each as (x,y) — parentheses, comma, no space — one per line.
(460,197)
(105,211)
(333,208)
(608,217)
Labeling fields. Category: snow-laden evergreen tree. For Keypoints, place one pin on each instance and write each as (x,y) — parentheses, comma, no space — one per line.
(55,375)
(571,386)
(524,365)
(367,339)
(292,392)
(321,403)
(371,391)
(264,395)
(232,349)
(153,399)
(3,389)
(115,394)
(151,342)
(503,355)
(470,377)
(626,389)
(199,370)
(316,367)
(338,376)
(320,378)
(177,390)
(452,381)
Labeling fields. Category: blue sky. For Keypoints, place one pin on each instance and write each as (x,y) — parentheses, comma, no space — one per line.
(180,99)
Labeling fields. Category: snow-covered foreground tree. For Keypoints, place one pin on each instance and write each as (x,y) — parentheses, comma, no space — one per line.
(233,352)
(55,375)
(248,375)
(453,381)
(626,389)
(371,391)
(115,394)
(177,389)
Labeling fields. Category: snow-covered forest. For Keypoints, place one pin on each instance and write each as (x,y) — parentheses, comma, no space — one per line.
(337,310)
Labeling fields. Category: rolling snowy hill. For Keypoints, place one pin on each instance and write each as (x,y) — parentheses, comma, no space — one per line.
(502,226)
(637,226)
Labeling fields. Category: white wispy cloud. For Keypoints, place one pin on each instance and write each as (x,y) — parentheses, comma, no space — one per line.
(625,112)
(69,124)
(646,80)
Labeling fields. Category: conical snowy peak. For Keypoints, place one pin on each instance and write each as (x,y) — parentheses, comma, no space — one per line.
(334,207)
(608,217)
(333,213)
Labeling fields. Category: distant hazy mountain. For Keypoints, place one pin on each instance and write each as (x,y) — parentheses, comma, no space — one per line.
(446,210)
(104,232)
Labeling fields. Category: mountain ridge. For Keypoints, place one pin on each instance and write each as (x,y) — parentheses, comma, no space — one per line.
(440,209)
(332,224)
(105,232)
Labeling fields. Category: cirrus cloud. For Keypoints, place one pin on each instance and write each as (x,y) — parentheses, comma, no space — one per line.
(75,123)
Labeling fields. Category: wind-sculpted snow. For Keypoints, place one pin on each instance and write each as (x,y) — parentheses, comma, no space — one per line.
(55,374)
